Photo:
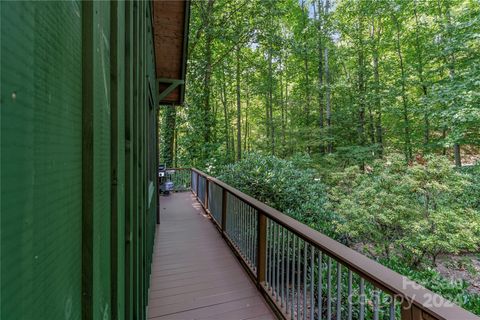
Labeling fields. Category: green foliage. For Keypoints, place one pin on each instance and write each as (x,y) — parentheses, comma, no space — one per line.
(168,130)
(400,214)
(455,291)
(471,196)
(283,186)
(355,154)
(417,211)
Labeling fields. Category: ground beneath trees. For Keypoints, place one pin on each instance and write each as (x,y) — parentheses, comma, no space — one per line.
(464,267)
(461,267)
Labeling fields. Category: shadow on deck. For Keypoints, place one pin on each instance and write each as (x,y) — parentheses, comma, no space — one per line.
(195,275)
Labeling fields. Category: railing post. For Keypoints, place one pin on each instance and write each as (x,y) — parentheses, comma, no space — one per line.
(157,193)
(206,193)
(262,247)
(411,312)
(224,210)
(196,191)
(191,178)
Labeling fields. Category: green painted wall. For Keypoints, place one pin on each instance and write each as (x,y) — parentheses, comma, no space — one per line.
(41,154)
(78,137)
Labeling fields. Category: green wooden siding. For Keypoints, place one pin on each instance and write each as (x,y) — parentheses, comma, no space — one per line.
(101,159)
(77,123)
(41,135)
(117,56)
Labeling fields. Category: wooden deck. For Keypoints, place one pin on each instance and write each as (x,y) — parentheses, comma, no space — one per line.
(195,275)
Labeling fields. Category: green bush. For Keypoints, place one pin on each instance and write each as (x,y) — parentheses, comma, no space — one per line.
(471,196)
(417,211)
(283,185)
(455,291)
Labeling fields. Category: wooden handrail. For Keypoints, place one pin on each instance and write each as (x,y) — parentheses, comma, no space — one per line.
(417,298)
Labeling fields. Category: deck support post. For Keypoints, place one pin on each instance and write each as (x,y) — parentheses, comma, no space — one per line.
(224,211)
(262,247)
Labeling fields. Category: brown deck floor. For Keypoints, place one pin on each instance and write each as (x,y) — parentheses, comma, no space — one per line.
(194,273)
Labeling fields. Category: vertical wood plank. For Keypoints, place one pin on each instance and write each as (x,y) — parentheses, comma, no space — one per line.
(129,181)
(406,312)
(417,313)
(87,160)
(114,111)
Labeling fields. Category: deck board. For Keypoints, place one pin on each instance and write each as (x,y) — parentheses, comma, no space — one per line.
(194,273)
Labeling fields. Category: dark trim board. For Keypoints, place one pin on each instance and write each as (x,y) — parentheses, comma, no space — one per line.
(87,160)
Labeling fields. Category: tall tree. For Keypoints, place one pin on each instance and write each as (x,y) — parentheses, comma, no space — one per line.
(361,81)
(320,69)
(169,133)
(403,85)
(327,88)
(376,34)
(239,107)
(420,66)
(207,16)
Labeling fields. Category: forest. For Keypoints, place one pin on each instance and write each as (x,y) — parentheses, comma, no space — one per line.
(360,118)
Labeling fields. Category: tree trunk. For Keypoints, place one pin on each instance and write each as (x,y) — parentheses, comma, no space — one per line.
(371,125)
(307,91)
(305,62)
(361,88)
(208,74)
(239,111)
(327,90)
(223,95)
(420,65)
(320,74)
(451,69)
(408,145)
(232,144)
(282,105)
(376,33)
(246,121)
(456,146)
(270,127)
(214,117)
(351,98)
(170,123)
(457,155)
(175,149)
(284,137)
(450,62)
